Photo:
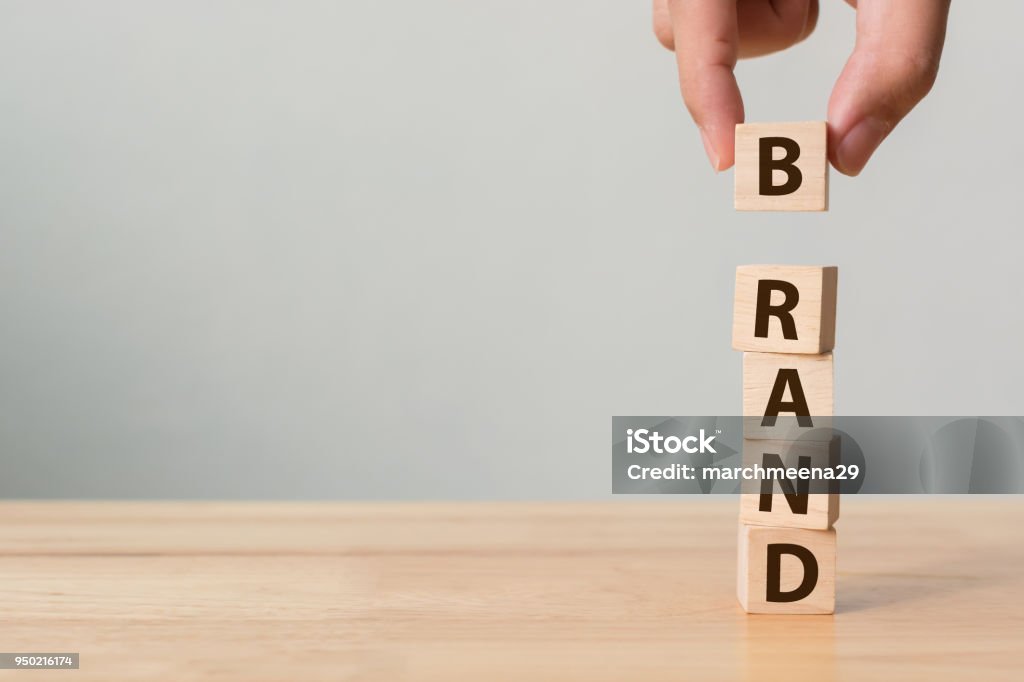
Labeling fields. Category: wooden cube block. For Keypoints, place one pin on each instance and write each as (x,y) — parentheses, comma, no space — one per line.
(787,397)
(790,502)
(785,308)
(781,167)
(786,570)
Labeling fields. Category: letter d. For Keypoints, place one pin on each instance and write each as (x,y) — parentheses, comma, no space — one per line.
(774,583)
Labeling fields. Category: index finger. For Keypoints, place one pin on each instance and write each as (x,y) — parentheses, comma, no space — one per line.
(706,38)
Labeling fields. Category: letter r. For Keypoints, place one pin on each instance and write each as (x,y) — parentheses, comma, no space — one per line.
(784,311)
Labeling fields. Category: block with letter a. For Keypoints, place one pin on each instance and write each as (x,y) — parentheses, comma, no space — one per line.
(787,396)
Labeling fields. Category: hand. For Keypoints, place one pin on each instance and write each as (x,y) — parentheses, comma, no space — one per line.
(893,65)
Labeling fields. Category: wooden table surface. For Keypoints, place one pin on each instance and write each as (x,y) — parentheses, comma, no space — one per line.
(928,588)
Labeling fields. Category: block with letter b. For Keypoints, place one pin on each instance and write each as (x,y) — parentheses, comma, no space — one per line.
(786,570)
(787,396)
(785,308)
(808,499)
(781,167)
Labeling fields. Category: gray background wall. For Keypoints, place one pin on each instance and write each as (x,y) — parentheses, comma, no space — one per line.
(427,249)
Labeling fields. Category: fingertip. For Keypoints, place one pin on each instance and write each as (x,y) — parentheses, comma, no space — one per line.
(851,151)
(662,25)
(727,155)
(709,149)
(719,147)
(812,20)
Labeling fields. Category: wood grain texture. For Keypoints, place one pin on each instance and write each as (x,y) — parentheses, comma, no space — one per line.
(814,314)
(814,374)
(812,194)
(927,589)
(752,570)
(822,508)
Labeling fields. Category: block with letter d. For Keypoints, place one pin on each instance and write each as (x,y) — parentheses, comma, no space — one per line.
(786,570)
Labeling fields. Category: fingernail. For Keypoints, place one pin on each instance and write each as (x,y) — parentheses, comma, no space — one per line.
(710,150)
(859,144)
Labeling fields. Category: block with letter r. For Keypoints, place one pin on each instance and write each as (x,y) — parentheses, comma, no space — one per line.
(785,309)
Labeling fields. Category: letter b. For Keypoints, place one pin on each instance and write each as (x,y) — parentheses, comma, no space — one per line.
(787,164)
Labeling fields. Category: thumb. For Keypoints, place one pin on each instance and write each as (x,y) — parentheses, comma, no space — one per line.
(892,68)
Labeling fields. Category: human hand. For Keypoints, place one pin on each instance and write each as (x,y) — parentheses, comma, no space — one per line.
(893,65)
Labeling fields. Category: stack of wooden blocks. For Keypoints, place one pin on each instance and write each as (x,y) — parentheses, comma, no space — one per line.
(784,322)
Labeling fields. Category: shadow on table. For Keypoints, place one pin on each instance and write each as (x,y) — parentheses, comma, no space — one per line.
(865,591)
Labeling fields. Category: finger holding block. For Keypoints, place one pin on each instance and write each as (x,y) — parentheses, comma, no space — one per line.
(786,570)
(781,167)
(785,308)
(790,502)
(786,397)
